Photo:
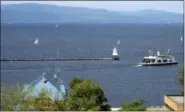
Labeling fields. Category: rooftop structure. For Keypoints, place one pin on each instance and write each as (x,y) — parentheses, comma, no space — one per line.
(54,91)
(174,102)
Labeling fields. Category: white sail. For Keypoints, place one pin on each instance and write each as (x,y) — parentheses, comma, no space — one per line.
(115,52)
(56,26)
(118,42)
(36,41)
(181,39)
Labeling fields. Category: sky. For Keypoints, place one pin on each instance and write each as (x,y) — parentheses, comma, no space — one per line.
(169,6)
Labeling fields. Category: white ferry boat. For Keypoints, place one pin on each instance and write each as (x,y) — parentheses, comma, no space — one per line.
(158,60)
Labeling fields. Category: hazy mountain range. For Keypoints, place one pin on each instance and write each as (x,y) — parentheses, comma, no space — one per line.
(37,13)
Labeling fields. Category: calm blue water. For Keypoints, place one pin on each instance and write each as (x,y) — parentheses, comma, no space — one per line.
(121,80)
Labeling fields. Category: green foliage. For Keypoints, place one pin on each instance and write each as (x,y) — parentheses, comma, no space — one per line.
(135,105)
(75,81)
(181,79)
(85,95)
(43,102)
(60,105)
(15,98)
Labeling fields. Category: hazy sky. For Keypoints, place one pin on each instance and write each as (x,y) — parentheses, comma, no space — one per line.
(170,6)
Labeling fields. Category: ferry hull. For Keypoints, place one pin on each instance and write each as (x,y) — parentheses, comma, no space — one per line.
(158,64)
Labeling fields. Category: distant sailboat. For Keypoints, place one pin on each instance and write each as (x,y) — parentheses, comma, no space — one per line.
(181,39)
(56,26)
(118,42)
(36,41)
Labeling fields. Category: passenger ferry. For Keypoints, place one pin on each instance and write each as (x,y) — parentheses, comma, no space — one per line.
(158,60)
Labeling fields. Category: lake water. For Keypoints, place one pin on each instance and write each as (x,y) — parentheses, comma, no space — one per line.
(122,81)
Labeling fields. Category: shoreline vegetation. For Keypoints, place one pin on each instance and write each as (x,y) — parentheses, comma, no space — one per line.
(84,95)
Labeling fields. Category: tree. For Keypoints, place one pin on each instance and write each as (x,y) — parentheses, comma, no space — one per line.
(181,79)
(135,105)
(75,81)
(60,105)
(15,98)
(85,95)
(43,102)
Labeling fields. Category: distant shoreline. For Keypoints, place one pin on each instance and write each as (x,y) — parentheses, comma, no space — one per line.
(54,23)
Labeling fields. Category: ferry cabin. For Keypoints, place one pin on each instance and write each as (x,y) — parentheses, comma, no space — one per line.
(158,59)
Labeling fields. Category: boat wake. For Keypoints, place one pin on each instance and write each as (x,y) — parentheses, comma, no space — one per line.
(138,65)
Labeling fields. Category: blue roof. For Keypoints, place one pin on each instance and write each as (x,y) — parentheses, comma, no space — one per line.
(38,85)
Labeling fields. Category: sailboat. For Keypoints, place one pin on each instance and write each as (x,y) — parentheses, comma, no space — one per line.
(118,42)
(56,26)
(181,39)
(36,41)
